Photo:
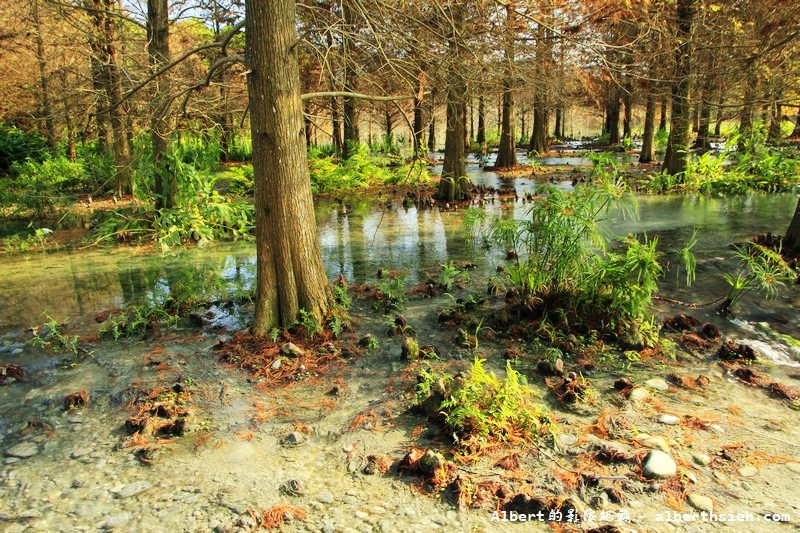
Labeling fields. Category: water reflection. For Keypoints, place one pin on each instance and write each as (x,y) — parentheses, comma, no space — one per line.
(357,240)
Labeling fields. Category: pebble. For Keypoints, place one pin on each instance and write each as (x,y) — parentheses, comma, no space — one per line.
(133,489)
(16,351)
(30,514)
(659,465)
(701,458)
(567,439)
(294,438)
(23,450)
(657,384)
(748,471)
(276,364)
(325,497)
(669,420)
(653,442)
(716,428)
(794,467)
(700,502)
(117,521)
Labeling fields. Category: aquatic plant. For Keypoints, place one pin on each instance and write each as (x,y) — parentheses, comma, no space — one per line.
(759,270)
(390,294)
(50,335)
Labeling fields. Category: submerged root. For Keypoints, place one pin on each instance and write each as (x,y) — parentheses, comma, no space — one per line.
(10,370)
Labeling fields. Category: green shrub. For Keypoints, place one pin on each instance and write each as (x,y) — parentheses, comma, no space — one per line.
(17,146)
(480,409)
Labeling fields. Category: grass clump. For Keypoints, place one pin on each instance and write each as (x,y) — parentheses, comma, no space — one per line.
(481,410)
(565,271)
(759,270)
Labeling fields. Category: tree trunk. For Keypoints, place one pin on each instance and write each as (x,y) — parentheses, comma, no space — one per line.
(432,124)
(104,24)
(352,136)
(523,135)
(612,119)
(481,137)
(65,102)
(418,127)
(662,121)
(627,117)
(648,153)
(47,108)
(507,153)
(678,144)
(158,55)
(454,184)
(104,133)
(557,128)
(290,272)
(336,126)
(538,144)
(702,142)
(792,239)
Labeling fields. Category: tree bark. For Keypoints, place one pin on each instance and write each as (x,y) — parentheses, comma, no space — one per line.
(702,142)
(612,117)
(158,55)
(538,144)
(352,135)
(627,101)
(481,137)
(65,102)
(507,153)
(557,127)
(111,78)
(454,184)
(47,108)
(678,144)
(418,127)
(662,121)
(290,271)
(648,153)
(432,124)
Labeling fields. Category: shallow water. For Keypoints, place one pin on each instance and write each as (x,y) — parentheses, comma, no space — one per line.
(78,479)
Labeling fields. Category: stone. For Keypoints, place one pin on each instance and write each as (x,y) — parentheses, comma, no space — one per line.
(748,471)
(669,420)
(659,465)
(716,428)
(294,438)
(568,439)
(29,514)
(700,502)
(325,497)
(701,458)
(653,442)
(290,349)
(117,521)
(429,462)
(657,384)
(276,364)
(133,489)
(23,450)
(638,395)
(794,467)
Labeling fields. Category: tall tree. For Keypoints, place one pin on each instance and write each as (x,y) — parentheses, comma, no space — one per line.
(678,143)
(290,272)
(507,152)
(158,56)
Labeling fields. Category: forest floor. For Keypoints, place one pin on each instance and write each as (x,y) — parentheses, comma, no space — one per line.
(330,438)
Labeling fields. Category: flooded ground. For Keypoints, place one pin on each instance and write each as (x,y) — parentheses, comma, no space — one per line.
(737,449)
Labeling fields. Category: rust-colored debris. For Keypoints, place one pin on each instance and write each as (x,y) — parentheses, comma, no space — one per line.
(76,400)
(10,370)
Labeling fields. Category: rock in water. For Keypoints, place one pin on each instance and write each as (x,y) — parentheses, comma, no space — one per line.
(659,465)
(23,450)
